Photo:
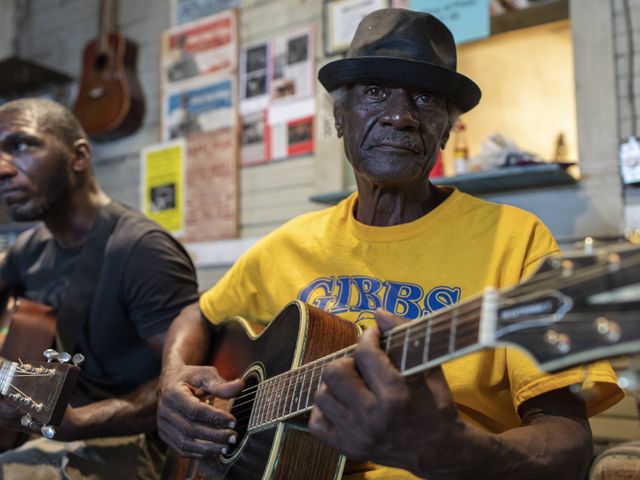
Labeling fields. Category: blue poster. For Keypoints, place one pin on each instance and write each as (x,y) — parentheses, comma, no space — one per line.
(191,10)
(467,19)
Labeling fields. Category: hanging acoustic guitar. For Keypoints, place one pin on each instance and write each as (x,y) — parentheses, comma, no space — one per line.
(110,103)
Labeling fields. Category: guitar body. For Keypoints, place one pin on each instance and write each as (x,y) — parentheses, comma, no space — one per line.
(298,335)
(110,103)
(26,329)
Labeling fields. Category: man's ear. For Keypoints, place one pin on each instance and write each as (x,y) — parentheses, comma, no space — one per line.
(445,137)
(338,116)
(81,156)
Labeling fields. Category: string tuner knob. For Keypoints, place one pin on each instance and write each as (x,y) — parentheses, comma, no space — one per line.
(48,431)
(26,420)
(50,354)
(64,357)
(77,359)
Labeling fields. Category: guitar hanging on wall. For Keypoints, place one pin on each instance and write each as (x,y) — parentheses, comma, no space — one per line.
(110,103)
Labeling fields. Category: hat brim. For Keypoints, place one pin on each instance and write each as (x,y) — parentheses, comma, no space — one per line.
(461,90)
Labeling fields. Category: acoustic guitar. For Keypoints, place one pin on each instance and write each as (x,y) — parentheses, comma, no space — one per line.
(40,390)
(110,103)
(575,309)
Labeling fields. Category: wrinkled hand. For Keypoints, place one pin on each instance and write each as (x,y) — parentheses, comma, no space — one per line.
(369,411)
(192,427)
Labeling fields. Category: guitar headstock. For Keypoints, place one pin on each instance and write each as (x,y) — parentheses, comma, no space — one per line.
(40,389)
(577,308)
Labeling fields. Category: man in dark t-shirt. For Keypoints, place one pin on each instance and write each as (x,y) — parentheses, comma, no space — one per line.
(144,280)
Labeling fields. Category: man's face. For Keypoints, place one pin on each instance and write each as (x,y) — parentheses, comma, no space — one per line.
(35,170)
(392,135)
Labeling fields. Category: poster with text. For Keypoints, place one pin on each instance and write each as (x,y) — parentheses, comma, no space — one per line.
(211,191)
(341,20)
(467,19)
(185,11)
(254,78)
(292,66)
(162,184)
(292,138)
(205,104)
(254,148)
(204,47)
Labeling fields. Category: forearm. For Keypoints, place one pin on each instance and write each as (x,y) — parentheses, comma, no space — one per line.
(127,415)
(187,341)
(554,448)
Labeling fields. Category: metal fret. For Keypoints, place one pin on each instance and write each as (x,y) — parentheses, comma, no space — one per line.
(313,369)
(405,342)
(452,332)
(427,341)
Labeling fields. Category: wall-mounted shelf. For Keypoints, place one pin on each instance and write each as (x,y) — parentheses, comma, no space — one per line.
(536,14)
(22,75)
(498,180)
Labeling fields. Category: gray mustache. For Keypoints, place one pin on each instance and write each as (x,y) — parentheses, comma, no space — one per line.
(396,140)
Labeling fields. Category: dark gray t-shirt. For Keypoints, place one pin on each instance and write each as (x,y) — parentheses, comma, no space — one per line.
(145,280)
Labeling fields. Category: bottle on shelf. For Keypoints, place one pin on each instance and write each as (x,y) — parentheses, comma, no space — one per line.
(460,148)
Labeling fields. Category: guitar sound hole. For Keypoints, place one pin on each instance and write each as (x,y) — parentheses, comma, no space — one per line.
(242,407)
(102,61)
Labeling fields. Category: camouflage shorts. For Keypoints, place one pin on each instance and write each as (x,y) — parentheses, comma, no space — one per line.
(132,457)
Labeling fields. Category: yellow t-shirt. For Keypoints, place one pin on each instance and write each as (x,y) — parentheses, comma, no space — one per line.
(331,261)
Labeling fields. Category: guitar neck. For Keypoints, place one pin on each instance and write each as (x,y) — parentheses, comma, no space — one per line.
(105,24)
(412,347)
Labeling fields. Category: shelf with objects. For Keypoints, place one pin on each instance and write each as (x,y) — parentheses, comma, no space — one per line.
(523,134)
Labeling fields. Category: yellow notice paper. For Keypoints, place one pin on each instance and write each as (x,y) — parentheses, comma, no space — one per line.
(162,184)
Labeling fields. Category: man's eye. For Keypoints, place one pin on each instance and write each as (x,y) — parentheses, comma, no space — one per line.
(424,98)
(21,146)
(375,92)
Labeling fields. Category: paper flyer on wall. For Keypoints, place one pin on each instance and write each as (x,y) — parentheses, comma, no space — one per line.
(293,67)
(211,193)
(162,184)
(204,47)
(205,103)
(254,78)
(185,11)
(254,148)
(342,19)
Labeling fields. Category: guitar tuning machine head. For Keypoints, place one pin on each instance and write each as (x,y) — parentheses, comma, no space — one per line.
(64,357)
(48,431)
(51,354)
(26,420)
(77,359)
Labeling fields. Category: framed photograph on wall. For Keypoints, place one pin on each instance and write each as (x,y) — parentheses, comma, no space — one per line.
(341,17)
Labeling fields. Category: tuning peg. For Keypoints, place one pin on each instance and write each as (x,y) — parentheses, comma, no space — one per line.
(26,420)
(64,357)
(50,354)
(77,359)
(48,431)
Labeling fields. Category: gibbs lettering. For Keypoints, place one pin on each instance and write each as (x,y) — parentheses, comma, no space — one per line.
(359,296)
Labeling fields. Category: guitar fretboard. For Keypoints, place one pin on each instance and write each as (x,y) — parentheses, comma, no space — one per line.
(412,347)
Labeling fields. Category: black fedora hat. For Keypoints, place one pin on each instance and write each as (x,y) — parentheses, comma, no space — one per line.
(394,46)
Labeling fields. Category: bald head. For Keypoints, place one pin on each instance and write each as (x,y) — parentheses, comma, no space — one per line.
(49,116)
